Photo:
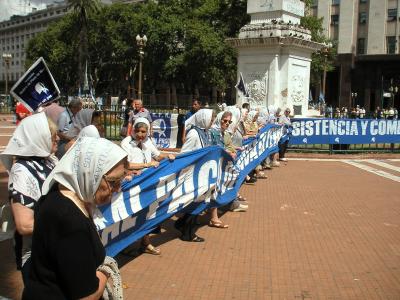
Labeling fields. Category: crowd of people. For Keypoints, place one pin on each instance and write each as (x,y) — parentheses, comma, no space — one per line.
(61,169)
(358,112)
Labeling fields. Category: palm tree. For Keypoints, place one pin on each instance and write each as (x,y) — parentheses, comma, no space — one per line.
(83,8)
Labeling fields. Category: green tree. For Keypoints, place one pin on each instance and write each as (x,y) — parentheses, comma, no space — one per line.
(58,46)
(186,45)
(83,8)
(321,60)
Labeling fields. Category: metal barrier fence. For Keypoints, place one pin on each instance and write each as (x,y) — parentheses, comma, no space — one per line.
(368,115)
(346,148)
(6,109)
(113,120)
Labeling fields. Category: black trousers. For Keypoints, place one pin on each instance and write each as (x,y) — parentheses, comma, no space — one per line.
(187,226)
(282,149)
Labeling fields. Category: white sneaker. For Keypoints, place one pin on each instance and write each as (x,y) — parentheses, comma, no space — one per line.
(283,159)
(240,208)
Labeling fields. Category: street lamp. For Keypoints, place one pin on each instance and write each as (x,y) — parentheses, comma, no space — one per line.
(7,59)
(353,98)
(141,43)
(325,51)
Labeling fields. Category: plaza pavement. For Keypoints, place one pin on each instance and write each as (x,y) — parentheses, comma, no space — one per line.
(314,230)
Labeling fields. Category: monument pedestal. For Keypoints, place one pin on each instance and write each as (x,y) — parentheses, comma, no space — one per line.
(274,55)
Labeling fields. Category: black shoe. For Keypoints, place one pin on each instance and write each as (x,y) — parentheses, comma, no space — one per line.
(196,239)
(251,180)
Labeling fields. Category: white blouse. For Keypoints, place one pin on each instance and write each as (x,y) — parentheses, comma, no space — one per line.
(137,155)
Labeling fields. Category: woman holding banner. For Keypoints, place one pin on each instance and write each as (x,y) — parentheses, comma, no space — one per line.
(220,136)
(29,159)
(196,138)
(142,154)
(66,248)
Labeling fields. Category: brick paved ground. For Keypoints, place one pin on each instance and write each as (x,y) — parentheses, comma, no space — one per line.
(332,233)
(314,230)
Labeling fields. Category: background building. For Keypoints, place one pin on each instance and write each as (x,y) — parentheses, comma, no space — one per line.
(368,62)
(16,33)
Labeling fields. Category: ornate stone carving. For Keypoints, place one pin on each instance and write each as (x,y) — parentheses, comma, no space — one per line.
(297,93)
(257,90)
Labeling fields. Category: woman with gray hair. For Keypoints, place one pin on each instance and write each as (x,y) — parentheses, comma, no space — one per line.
(66,248)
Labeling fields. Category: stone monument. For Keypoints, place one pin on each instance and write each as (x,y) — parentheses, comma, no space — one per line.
(274,55)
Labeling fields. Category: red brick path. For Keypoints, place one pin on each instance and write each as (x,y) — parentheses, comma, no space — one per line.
(332,233)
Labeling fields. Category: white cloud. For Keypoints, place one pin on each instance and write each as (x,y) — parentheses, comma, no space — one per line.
(20,7)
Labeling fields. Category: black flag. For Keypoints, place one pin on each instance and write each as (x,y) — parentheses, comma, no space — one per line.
(241,86)
(36,87)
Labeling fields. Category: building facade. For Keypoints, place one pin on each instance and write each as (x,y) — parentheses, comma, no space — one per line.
(367,33)
(15,35)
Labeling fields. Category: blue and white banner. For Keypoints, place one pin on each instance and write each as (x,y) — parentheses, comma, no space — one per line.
(165,129)
(191,183)
(344,131)
(36,87)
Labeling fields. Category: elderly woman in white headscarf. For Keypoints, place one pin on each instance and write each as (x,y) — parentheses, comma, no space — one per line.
(272,160)
(142,154)
(66,248)
(196,128)
(220,136)
(29,159)
(263,117)
(196,138)
(251,123)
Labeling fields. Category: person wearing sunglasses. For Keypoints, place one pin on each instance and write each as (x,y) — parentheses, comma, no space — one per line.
(220,136)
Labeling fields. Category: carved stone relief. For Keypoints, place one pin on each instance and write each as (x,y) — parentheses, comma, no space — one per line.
(297,93)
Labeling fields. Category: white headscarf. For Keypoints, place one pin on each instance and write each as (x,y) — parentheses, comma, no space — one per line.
(217,122)
(89,131)
(201,119)
(236,117)
(137,121)
(271,110)
(251,115)
(263,116)
(32,137)
(81,169)
(142,120)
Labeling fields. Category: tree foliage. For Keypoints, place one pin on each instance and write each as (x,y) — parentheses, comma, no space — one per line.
(324,59)
(186,44)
